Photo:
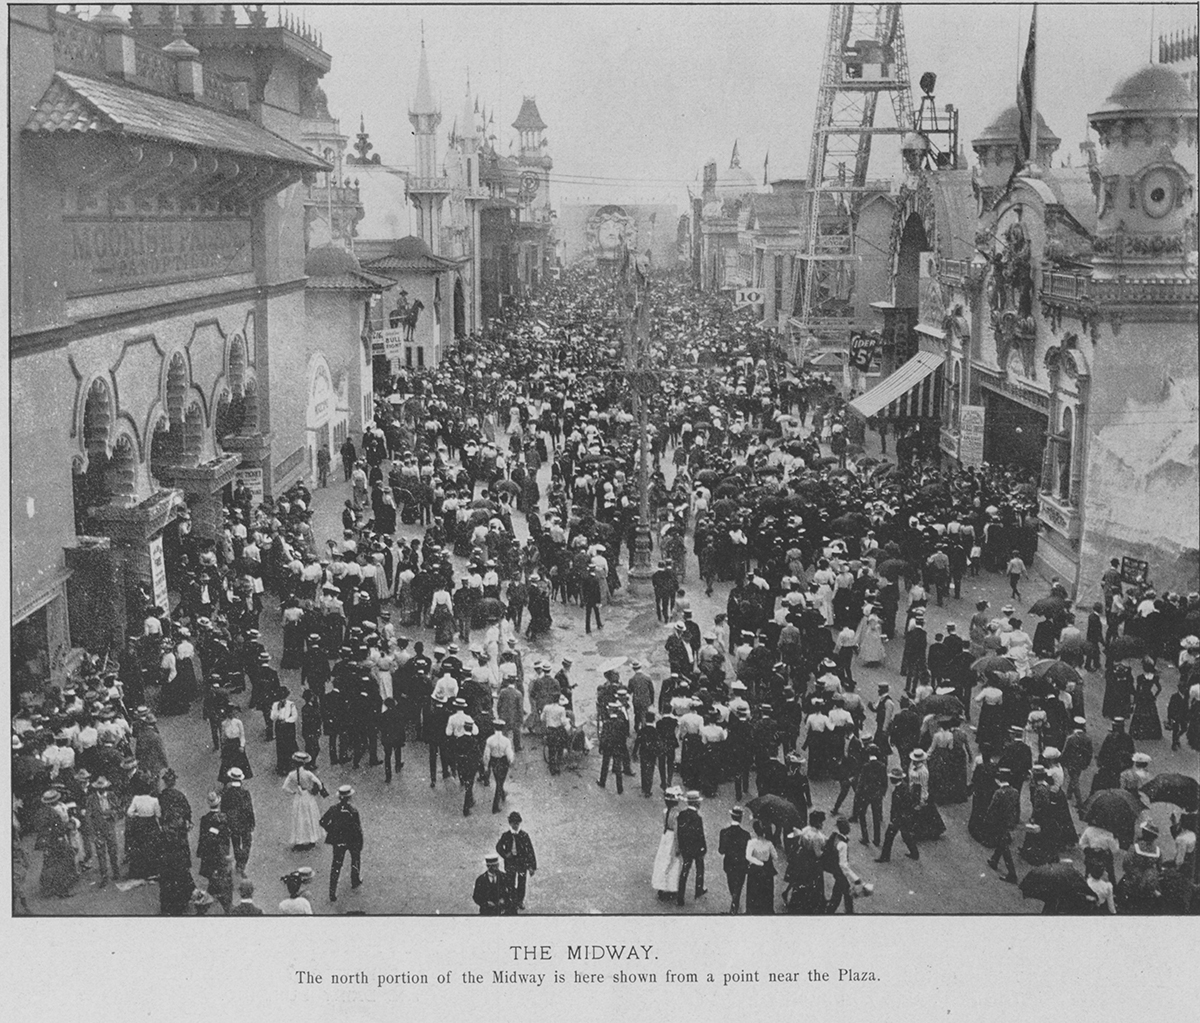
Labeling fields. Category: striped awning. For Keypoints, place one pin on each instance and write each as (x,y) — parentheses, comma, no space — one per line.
(899,383)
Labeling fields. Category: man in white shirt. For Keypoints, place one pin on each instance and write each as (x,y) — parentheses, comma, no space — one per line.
(498,756)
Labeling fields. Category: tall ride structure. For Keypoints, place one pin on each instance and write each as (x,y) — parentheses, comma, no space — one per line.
(865,56)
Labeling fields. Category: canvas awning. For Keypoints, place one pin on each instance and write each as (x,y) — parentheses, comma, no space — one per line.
(899,383)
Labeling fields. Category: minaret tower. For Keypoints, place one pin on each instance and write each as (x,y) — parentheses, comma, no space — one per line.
(470,140)
(426,188)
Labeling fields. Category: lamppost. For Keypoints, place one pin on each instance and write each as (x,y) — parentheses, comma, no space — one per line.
(635,312)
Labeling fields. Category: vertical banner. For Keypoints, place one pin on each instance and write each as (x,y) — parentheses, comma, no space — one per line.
(970,445)
(158,573)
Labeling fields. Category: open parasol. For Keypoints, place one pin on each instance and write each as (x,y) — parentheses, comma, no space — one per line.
(773,809)
(612,664)
(943,704)
(1058,672)
(1115,810)
(1048,607)
(892,568)
(1055,882)
(993,663)
(1124,648)
(1179,789)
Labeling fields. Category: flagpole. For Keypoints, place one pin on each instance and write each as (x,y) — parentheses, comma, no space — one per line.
(1033,105)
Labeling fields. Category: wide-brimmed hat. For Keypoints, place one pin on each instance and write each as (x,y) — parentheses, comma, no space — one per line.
(918,755)
(301,758)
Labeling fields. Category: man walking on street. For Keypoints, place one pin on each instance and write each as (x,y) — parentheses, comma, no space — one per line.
(1003,815)
(612,750)
(1015,569)
(391,733)
(238,808)
(868,795)
(689,833)
(731,845)
(343,831)
(498,757)
(520,861)
(903,809)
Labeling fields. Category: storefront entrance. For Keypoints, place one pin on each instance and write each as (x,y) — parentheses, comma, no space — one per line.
(1015,434)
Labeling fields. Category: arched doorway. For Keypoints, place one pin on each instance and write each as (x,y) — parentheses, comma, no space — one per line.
(322,410)
(460,309)
(90,474)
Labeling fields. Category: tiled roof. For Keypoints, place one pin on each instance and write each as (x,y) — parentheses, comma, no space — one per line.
(529,119)
(77,104)
(411,253)
(361,281)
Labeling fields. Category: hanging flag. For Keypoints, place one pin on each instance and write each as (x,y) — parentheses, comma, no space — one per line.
(766,160)
(1026,126)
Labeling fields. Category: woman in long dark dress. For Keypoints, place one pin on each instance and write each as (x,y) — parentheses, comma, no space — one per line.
(760,874)
(949,758)
(293,635)
(285,717)
(1118,690)
(175,882)
(983,787)
(142,830)
(59,872)
(1145,723)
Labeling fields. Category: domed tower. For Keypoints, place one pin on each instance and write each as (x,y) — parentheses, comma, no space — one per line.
(1141,493)
(427,189)
(996,147)
(1145,178)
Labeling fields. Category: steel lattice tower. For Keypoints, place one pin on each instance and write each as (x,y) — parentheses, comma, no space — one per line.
(865,55)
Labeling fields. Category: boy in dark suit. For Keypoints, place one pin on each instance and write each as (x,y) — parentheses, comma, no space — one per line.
(731,844)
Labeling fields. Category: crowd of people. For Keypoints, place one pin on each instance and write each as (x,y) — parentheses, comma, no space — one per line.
(828,556)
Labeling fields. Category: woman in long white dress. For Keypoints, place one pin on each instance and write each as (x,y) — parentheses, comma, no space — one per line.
(304,786)
(667,861)
(870,640)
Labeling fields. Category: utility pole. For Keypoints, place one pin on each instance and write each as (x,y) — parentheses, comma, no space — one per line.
(635,312)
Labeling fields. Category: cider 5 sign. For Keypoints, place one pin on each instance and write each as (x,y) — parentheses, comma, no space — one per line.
(748,296)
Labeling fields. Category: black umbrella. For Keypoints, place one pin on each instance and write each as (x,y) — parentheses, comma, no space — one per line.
(1115,810)
(993,663)
(488,609)
(1179,789)
(507,487)
(940,704)
(773,809)
(1124,648)
(1055,882)
(1057,672)
(892,569)
(1048,607)
(866,463)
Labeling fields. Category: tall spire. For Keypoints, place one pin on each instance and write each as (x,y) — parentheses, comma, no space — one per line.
(735,160)
(468,118)
(423,100)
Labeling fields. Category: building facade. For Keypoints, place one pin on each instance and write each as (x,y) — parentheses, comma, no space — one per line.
(157,241)
(1063,339)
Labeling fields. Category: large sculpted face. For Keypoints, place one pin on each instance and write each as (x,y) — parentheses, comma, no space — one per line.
(609,228)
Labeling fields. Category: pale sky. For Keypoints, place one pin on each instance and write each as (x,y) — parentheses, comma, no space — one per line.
(646,94)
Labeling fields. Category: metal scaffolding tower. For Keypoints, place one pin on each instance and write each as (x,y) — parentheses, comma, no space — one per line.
(865,55)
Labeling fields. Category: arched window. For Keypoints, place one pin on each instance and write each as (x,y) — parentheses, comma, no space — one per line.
(1065,443)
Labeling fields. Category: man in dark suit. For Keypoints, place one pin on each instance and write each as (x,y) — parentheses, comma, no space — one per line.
(868,794)
(689,833)
(1003,815)
(238,808)
(731,844)
(1017,757)
(645,749)
(391,734)
(520,861)
(492,892)
(246,906)
(904,805)
(612,749)
(343,831)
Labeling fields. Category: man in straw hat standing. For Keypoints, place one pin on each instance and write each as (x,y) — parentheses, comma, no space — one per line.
(343,831)
(689,833)
(238,807)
